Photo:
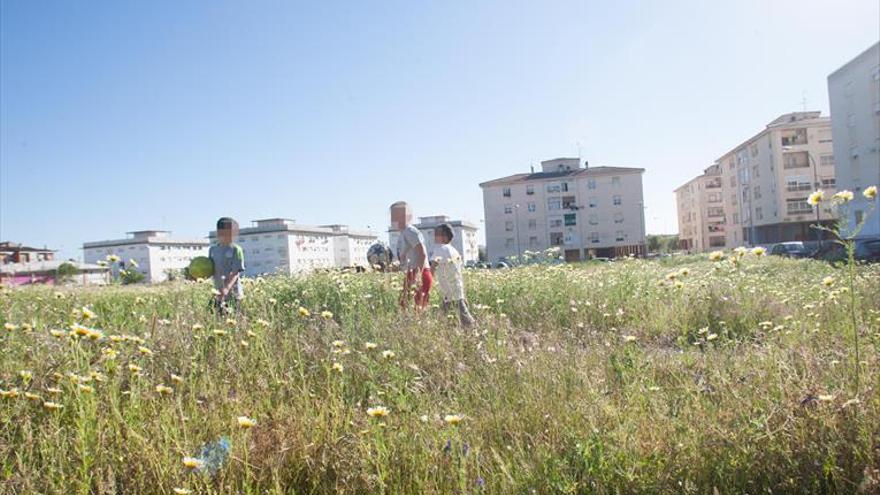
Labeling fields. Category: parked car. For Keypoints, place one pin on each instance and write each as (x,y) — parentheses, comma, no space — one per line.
(865,250)
(794,249)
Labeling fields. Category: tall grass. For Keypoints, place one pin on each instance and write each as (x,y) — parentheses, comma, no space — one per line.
(628,377)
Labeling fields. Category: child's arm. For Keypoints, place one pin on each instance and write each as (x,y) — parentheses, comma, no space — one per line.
(230,281)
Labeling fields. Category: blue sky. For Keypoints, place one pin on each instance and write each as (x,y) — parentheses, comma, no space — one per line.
(119,116)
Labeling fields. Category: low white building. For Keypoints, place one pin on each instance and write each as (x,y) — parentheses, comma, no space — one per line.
(155,252)
(854,93)
(464,235)
(281,246)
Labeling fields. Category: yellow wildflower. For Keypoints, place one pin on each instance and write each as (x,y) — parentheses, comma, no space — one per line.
(52,406)
(453,419)
(164,390)
(816,197)
(303,312)
(192,462)
(337,367)
(844,196)
(326,315)
(378,412)
(870,192)
(245,422)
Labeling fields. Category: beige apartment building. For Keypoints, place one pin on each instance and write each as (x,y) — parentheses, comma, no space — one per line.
(766,181)
(585,211)
(701,218)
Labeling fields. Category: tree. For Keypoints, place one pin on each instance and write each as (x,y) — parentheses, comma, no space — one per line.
(65,272)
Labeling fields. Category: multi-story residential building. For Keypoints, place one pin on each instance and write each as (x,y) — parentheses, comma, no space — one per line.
(464,235)
(854,91)
(156,254)
(11,252)
(701,218)
(585,211)
(282,246)
(766,181)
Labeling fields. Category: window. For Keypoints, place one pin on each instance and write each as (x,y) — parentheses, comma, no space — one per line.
(565,187)
(508,242)
(508,209)
(618,218)
(759,213)
(570,219)
(795,160)
(615,181)
(756,170)
(556,238)
(757,192)
(506,192)
(715,211)
(508,226)
(591,183)
(714,197)
(716,241)
(794,136)
(530,190)
(533,241)
(734,199)
(532,207)
(830,183)
(736,218)
(753,149)
(554,204)
(594,237)
(554,188)
(618,236)
(826,160)
(798,183)
(533,224)
(617,201)
(594,220)
(732,181)
(593,202)
(555,222)
(798,205)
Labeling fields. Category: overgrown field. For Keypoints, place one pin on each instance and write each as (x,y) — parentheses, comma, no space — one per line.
(630,377)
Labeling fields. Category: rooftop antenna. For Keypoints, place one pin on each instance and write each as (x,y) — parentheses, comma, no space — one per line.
(804,100)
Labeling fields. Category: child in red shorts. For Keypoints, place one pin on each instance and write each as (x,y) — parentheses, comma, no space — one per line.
(413,257)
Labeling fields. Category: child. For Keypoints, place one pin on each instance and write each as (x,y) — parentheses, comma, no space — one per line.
(446,263)
(228,261)
(412,255)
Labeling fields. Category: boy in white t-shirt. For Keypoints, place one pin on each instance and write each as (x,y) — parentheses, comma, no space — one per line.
(446,266)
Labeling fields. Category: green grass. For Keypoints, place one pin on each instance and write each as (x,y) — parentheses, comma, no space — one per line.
(629,377)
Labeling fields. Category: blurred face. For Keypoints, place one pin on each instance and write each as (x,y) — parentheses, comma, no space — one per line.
(225,236)
(439,238)
(400,216)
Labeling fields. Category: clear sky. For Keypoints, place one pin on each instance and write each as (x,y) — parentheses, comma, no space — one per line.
(119,116)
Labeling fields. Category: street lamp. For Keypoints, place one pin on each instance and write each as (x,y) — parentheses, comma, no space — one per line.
(815,187)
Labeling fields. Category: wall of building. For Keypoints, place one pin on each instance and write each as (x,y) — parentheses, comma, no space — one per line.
(576,213)
(854,93)
(767,179)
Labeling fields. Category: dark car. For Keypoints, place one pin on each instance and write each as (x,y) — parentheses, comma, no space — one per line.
(794,249)
(865,250)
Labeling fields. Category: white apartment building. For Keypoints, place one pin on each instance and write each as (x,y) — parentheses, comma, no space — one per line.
(585,211)
(701,218)
(766,181)
(282,246)
(156,253)
(854,92)
(464,236)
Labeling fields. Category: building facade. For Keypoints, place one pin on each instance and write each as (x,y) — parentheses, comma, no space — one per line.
(282,246)
(766,181)
(157,255)
(45,272)
(584,211)
(464,235)
(701,216)
(854,92)
(11,252)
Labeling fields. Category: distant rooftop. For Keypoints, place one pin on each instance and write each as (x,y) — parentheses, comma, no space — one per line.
(568,173)
(145,237)
(11,246)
